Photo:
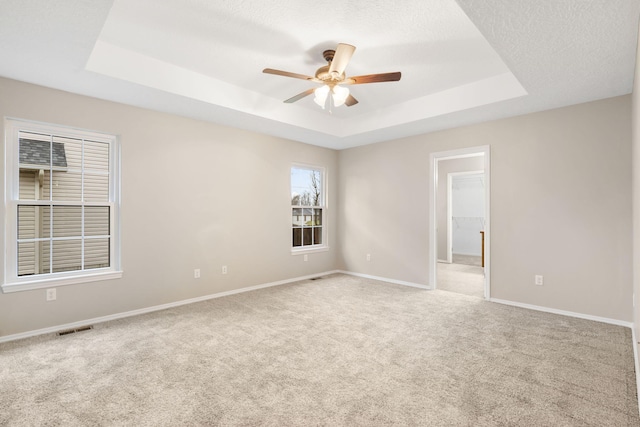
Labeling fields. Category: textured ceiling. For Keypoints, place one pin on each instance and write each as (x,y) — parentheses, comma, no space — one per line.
(461,61)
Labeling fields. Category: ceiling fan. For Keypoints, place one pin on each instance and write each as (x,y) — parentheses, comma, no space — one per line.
(333,79)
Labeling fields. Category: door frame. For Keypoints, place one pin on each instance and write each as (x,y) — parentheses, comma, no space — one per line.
(434,158)
(450,177)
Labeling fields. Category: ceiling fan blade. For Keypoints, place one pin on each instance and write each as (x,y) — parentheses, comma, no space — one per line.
(287,74)
(341,58)
(373,78)
(350,101)
(299,96)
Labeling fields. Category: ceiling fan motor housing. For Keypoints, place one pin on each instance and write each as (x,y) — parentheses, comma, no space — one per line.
(323,72)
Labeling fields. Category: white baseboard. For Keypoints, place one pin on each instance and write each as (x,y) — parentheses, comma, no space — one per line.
(145,310)
(636,365)
(137,312)
(385,279)
(564,313)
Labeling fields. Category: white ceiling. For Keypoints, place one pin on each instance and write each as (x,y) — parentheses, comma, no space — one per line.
(462,61)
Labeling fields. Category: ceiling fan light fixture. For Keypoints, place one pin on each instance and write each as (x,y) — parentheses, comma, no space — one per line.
(332,77)
(339,95)
(321,95)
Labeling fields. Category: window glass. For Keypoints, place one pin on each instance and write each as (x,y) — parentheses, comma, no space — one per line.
(308,210)
(62,207)
(306,187)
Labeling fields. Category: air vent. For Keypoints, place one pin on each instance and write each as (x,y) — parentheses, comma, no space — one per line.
(73,331)
(317,278)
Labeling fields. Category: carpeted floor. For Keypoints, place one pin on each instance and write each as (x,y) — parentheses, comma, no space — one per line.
(461,279)
(467,259)
(338,351)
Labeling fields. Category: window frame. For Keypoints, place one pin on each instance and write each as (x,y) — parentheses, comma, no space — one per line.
(324,246)
(11,281)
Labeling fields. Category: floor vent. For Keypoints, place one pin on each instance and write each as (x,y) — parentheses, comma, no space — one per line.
(73,331)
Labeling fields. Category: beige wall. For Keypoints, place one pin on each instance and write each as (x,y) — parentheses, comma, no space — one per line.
(445,167)
(560,206)
(194,195)
(199,195)
(636,193)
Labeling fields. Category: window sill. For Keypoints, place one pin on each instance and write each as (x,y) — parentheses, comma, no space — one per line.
(310,250)
(28,285)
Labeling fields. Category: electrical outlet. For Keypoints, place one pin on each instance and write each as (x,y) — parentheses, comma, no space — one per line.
(305,258)
(539,280)
(224,269)
(196,273)
(51,294)
(368,257)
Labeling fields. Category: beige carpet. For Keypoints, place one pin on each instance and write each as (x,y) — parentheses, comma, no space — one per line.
(467,259)
(461,279)
(338,351)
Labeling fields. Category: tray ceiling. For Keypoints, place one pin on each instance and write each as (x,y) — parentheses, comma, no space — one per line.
(461,61)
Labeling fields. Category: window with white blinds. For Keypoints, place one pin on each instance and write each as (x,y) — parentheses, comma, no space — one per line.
(63,205)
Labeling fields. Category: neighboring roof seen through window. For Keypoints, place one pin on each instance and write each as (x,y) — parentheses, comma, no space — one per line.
(33,152)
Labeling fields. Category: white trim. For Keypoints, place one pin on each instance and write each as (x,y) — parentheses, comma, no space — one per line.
(564,312)
(137,312)
(461,153)
(434,158)
(309,249)
(449,254)
(324,246)
(636,365)
(50,281)
(131,313)
(385,279)
(11,282)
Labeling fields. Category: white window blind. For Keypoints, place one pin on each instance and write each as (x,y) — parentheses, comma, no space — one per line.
(63,205)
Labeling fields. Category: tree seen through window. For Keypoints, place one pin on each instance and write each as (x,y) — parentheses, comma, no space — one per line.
(307,201)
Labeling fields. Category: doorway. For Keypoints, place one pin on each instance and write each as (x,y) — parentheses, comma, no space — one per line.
(465,216)
(459,221)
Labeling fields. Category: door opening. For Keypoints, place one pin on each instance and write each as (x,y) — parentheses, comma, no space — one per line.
(459,221)
(465,216)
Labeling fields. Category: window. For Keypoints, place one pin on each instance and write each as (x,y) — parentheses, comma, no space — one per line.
(308,207)
(62,206)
